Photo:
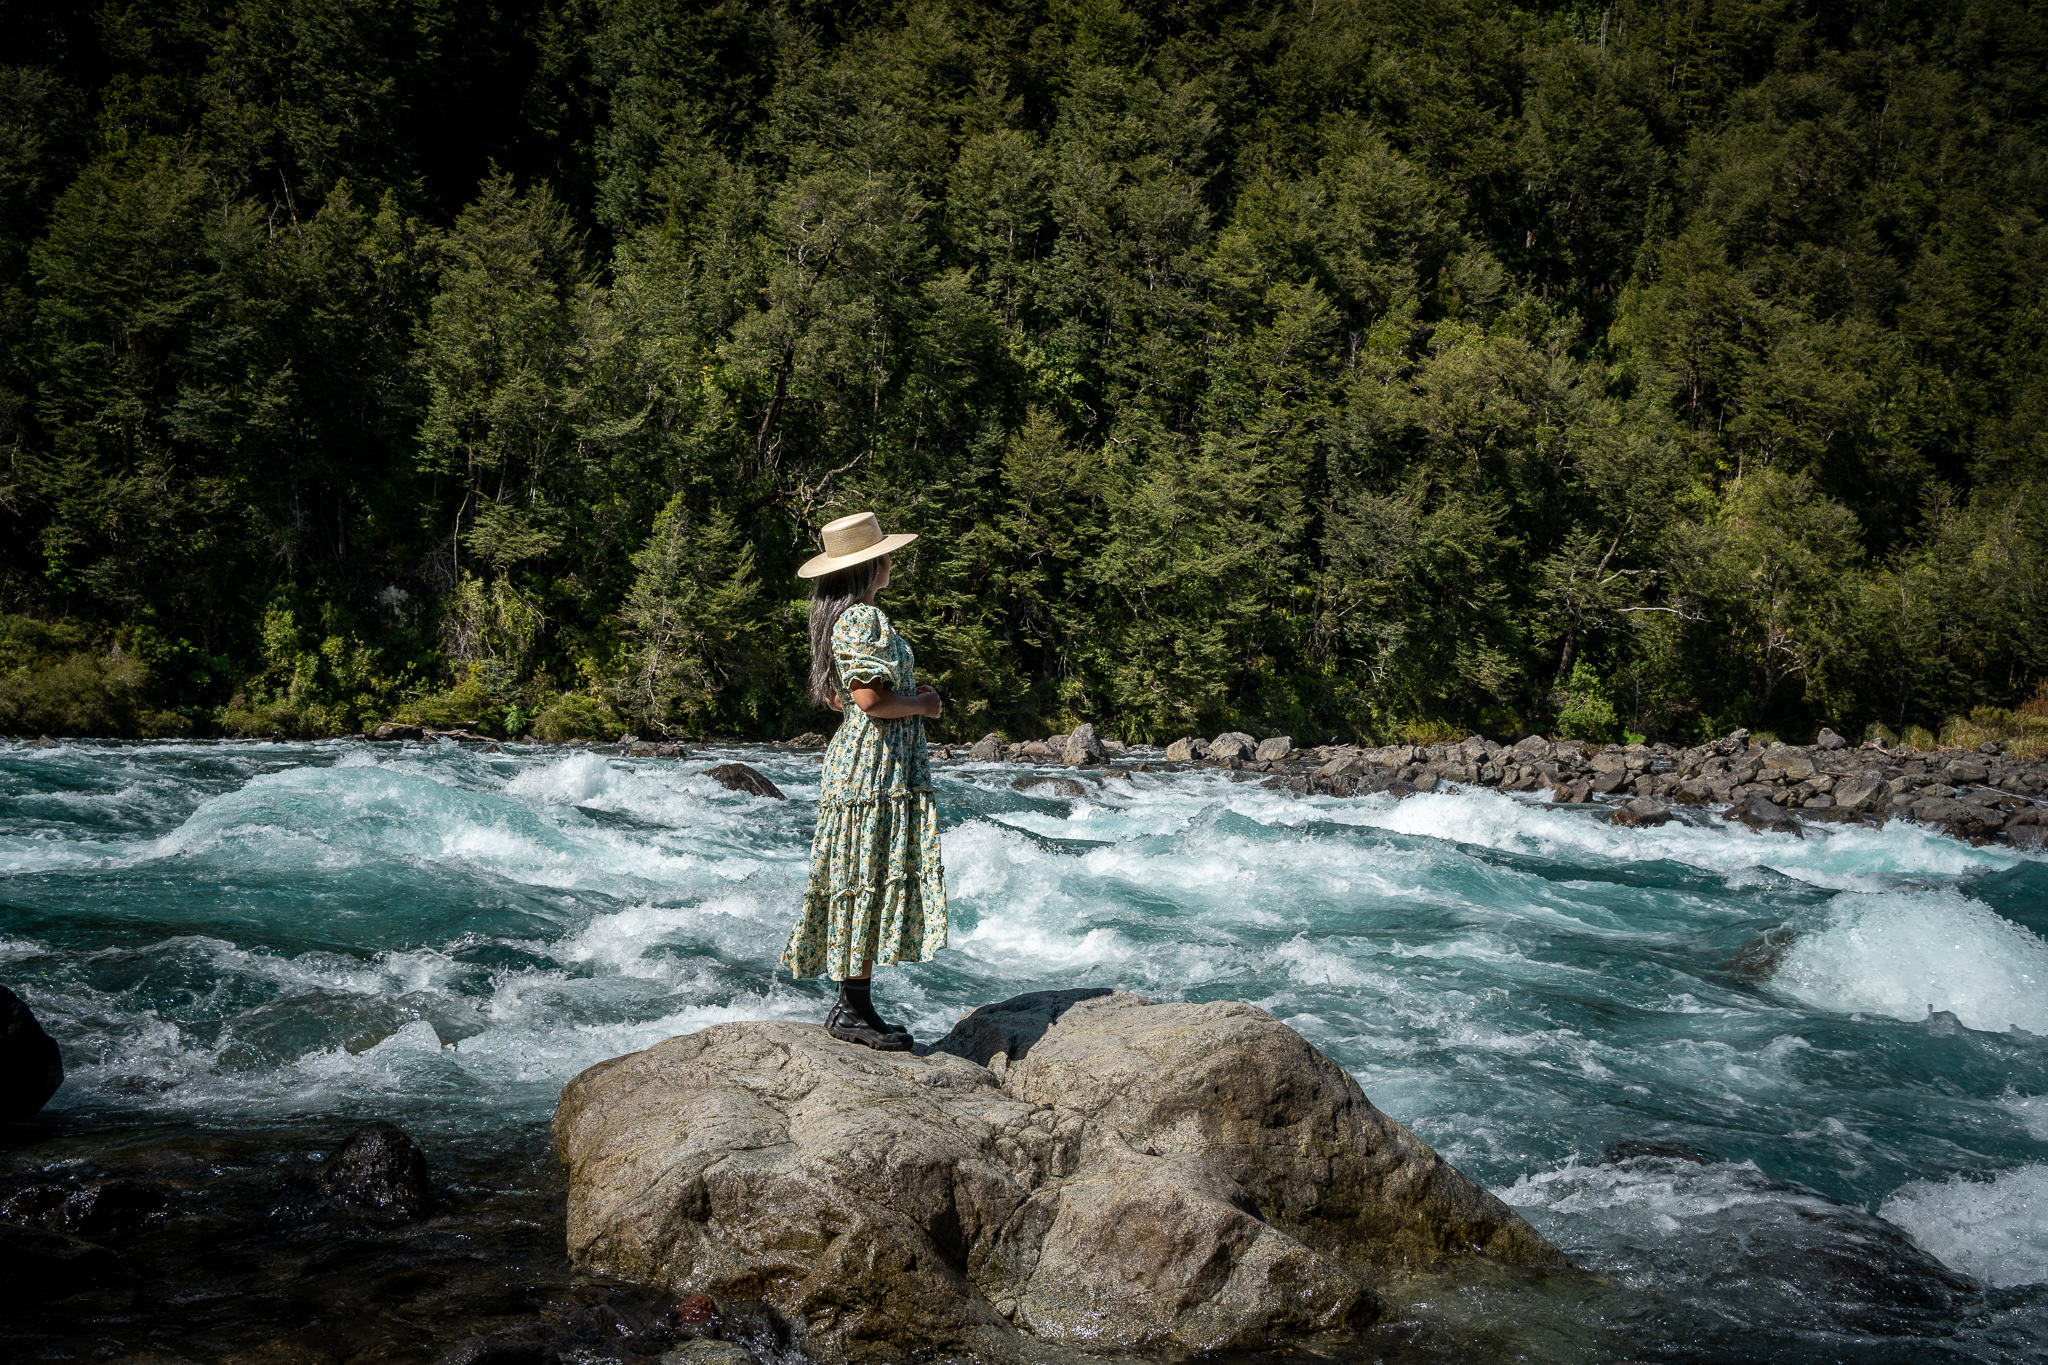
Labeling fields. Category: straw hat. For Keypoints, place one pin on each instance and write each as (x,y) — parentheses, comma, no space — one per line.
(850,541)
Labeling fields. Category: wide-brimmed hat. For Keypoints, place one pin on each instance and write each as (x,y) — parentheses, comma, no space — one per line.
(850,541)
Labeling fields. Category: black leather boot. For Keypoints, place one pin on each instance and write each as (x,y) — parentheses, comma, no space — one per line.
(853,1020)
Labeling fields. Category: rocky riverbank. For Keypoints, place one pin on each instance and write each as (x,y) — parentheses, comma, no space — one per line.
(1977,795)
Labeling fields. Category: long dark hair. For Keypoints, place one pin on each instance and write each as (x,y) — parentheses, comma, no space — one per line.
(831,595)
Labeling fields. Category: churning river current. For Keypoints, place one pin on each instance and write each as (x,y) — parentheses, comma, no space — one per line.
(1790,1096)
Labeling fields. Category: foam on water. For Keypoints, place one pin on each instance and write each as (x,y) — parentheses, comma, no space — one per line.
(1910,954)
(1996,1230)
(233,934)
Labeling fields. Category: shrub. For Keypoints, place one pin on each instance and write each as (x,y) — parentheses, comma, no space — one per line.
(55,681)
(576,715)
(1584,712)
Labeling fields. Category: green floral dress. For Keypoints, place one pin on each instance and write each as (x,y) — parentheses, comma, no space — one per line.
(877,890)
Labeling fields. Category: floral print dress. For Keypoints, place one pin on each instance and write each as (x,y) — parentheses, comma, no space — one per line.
(877,890)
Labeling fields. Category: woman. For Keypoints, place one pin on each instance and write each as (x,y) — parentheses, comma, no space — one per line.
(877,892)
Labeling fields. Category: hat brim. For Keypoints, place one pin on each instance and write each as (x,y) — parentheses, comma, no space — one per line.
(817,566)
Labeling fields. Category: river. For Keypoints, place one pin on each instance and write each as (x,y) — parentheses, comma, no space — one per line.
(1789,1095)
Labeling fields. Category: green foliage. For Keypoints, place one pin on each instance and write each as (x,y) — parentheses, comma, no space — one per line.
(1585,712)
(576,715)
(55,679)
(1358,369)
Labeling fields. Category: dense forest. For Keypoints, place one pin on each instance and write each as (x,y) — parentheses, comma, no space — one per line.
(1339,368)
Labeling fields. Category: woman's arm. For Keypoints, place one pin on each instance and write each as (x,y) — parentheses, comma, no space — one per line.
(883,702)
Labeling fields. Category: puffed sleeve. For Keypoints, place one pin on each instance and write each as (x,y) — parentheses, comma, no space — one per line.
(862,647)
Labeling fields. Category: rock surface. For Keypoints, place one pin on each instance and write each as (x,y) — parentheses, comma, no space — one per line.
(740,778)
(987,749)
(1083,748)
(1080,1169)
(378,1174)
(30,1068)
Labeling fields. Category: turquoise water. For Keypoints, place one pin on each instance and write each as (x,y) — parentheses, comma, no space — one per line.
(1790,1095)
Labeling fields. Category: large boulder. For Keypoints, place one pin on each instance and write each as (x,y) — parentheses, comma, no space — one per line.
(1233,744)
(1186,748)
(1274,749)
(1081,1168)
(1083,748)
(987,749)
(30,1069)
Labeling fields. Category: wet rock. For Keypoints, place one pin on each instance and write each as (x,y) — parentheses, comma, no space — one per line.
(35,1264)
(378,1174)
(502,1350)
(1186,749)
(1274,750)
(1963,819)
(110,1208)
(641,748)
(1641,813)
(389,731)
(30,1069)
(1083,749)
(1233,744)
(740,778)
(1424,781)
(705,1351)
(1176,1177)
(1763,817)
(44,742)
(2027,836)
(1040,785)
(809,739)
(987,749)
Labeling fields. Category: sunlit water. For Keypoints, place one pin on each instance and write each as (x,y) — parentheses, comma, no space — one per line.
(1771,1151)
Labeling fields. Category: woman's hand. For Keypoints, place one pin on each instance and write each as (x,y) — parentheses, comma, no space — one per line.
(929,694)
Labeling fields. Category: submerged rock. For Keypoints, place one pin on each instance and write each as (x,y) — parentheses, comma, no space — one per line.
(1085,1168)
(740,778)
(30,1068)
(379,1174)
(1039,785)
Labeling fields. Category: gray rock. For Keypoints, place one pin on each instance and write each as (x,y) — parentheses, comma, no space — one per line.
(1641,813)
(1967,770)
(1792,764)
(389,731)
(1273,750)
(1187,748)
(1081,1167)
(1425,781)
(1083,749)
(2027,836)
(1867,791)
(1828,739)
(809,739)
(740,778)
(1763,817)
(1233,744)
(1350,766)
(987,749)
(30,1068)
(1532,747)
